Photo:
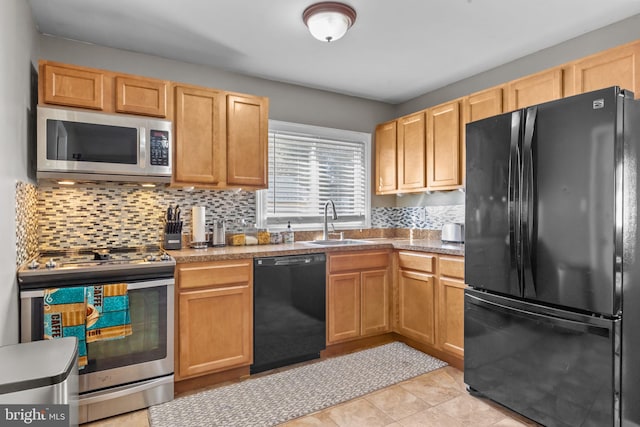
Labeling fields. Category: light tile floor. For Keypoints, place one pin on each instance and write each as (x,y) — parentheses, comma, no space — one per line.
(435,399)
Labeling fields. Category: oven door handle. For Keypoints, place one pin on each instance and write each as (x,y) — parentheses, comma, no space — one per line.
(130,286)
(122,391)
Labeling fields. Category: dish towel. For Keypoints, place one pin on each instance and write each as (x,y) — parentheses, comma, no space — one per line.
(65,316)
(107,312)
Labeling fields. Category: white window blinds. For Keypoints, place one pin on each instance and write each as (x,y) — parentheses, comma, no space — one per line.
(309,166)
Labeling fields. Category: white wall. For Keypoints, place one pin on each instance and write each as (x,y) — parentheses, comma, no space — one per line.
(17,46)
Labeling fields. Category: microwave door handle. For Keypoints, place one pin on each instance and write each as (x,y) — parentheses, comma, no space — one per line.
(142,154)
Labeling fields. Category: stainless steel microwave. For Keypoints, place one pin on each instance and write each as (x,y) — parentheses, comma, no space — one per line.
(84,145)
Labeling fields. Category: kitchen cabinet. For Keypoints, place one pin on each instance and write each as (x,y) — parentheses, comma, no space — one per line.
(358,295)
(444,146)
(535,89)
(430,301)
(411,152)
(81,87)
(451,305)
(614,67)
(214,317)
(72,86)
(417,296)
(144,96)
(247,128)
(200,149)
(386,158)
(481,105)
(221,139)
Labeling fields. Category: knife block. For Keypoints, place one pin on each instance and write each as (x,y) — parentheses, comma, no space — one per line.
(172,241)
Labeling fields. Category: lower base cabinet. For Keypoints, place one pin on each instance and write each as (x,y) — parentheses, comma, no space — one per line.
(358,295)
(215,317)
(430,300)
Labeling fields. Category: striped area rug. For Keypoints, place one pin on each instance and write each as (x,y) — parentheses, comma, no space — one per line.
(279,397)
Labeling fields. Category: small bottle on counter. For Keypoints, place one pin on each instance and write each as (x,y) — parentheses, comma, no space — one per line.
(288,236)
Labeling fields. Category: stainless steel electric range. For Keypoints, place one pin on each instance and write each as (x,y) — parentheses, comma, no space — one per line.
(124,374)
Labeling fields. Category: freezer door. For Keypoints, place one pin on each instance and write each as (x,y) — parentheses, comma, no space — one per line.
(555,367)
(568,195)
(491,203)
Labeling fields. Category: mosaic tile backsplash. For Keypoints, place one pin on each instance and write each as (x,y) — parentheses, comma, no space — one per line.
(26,222)
(51,216)
(120,215)
(423,217)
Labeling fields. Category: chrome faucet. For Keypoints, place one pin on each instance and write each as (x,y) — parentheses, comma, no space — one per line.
(325,230)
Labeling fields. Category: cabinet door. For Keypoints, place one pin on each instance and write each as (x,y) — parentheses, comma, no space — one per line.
(451,320)
(215,330)
(411,152)
(443,147)
(386,160)
(614,67)
(141,96)
(417,306)
(483,104)
(375,302)
(247,128)
(343,302)
(74,87)
(199,133)
(535,89)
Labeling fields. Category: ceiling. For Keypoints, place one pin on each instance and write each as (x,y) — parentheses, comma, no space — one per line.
(395,51)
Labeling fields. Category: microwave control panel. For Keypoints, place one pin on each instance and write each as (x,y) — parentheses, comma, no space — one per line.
(159,147)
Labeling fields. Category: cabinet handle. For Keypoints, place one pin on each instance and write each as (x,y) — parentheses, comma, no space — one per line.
(380,185)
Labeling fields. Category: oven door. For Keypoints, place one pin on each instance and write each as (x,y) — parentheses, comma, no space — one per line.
(146,353)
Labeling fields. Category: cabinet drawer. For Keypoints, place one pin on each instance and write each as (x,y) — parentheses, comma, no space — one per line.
(219,273)
(452,267)
(417,261)
(358,261)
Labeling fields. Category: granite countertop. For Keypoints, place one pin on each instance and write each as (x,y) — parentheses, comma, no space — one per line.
(240,252)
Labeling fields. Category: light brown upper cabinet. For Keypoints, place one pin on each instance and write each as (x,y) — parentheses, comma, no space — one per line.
(72,86)
(614,67)
(535,89)
(199,136)
(82,87)
(247,129)
(143,96)
(411,152)
(481,105)
(386,161)
(444,138)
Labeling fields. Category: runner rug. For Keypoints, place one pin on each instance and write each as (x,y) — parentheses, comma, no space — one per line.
(273,399)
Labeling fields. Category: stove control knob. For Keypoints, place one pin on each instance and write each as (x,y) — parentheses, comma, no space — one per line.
(165,257)
(50,264)
(151,258)
(33,265)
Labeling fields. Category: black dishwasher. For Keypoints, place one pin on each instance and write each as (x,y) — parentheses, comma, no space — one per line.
(288,310)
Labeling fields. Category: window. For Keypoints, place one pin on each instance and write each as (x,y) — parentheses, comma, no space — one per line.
(309,165)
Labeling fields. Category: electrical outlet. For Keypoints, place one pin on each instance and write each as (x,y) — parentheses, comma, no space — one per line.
(422,214)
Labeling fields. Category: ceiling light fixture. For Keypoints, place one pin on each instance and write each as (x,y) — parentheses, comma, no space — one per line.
(329,21)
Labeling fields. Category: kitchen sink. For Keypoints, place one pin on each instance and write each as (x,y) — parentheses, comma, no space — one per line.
(337,242)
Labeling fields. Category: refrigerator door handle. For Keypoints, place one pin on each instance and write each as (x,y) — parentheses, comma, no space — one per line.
(514,196)
(528,207)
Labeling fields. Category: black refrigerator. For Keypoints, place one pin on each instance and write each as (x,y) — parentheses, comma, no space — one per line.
(552,315)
